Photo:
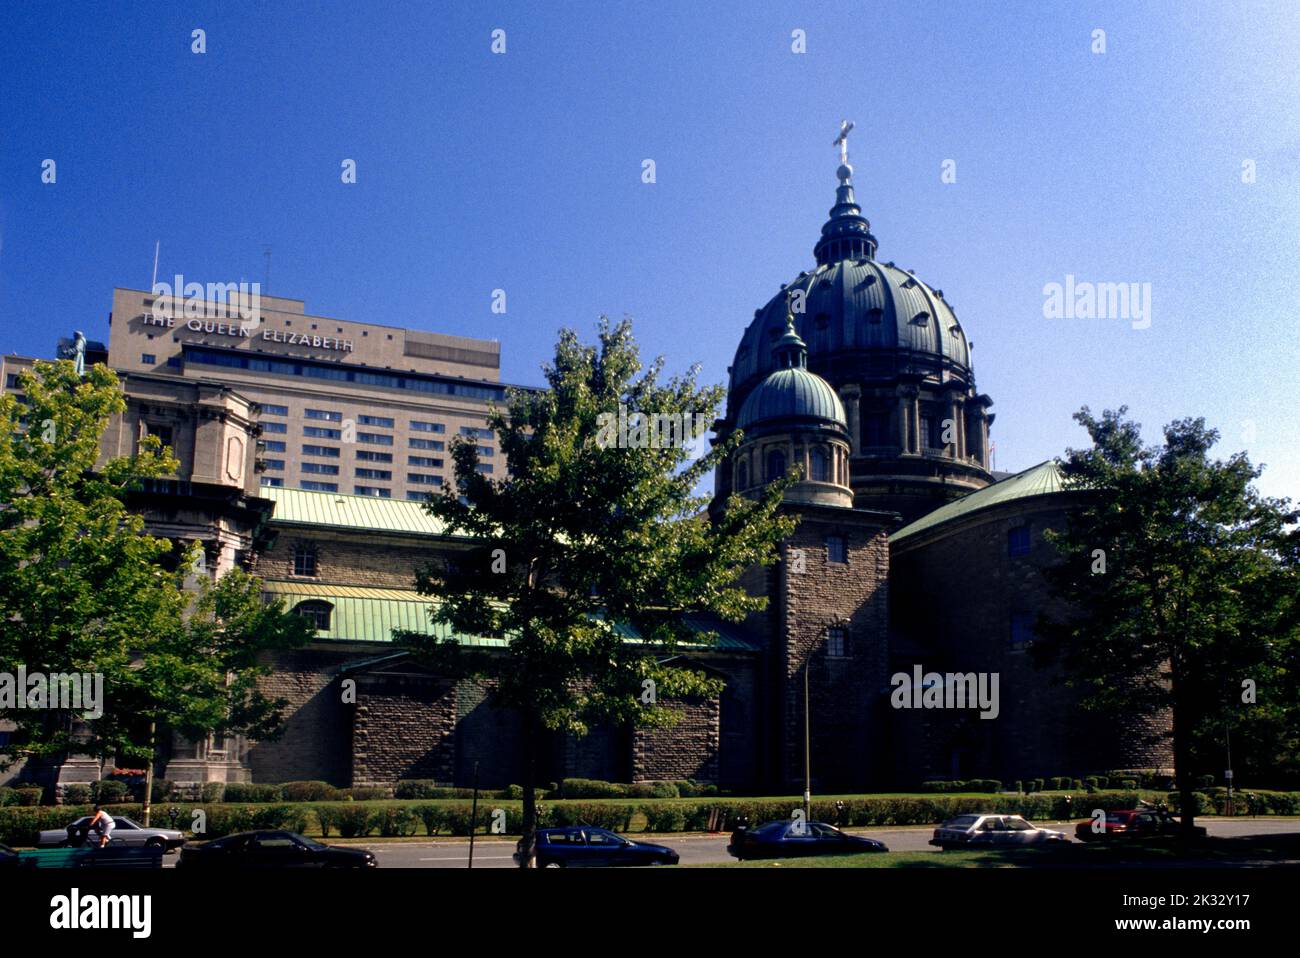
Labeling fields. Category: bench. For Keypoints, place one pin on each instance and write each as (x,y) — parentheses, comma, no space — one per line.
(120,856)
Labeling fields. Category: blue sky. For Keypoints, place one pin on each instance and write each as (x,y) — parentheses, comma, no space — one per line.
(522,172)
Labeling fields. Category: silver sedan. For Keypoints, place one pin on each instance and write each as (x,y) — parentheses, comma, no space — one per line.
(979,831)
(126,832)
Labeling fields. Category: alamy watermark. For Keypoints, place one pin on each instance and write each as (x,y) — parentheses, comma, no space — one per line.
(68,691)
(1075,299)
(946,690)
(644,430)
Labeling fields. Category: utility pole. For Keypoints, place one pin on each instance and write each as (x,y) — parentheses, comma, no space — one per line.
(473,817)
(807,747)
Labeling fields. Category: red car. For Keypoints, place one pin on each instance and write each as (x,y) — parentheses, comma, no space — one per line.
(1133,823)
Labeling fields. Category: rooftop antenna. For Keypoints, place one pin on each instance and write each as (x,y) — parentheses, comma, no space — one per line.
(156,247)
(266,285)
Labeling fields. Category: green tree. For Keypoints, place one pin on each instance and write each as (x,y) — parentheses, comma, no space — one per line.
(1186,583)
(584,532)
(84,589)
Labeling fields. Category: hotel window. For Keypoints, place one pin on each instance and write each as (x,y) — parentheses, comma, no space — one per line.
(276,427)
(377,492)
(437,445)
(367,455)
(327,414)
(1018,541)
(375,438)
(149,359)
(174,362)
(272,481)
(380,421)
(276,465)
(315,612)
(486,451)
(273,445)
(417,426)
(484,467)
(775,465)
(383,474)
(319,432)
(275,410)
(476,432)
(837,646)
(321,486)
(423,479)
(427,462)
(837,549)
(419,496)
(12,381)
(320,469)
(331,451)
(304,560)
(1022,631)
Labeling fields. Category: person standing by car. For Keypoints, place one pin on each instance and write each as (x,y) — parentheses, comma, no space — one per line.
(103,822)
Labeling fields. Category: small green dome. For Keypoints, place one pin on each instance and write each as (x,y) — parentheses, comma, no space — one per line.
(792,393)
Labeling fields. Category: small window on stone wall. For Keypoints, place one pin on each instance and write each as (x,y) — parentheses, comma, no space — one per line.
(304,560)
(1022,631)
(837,549)
(837,644)
(1018,541)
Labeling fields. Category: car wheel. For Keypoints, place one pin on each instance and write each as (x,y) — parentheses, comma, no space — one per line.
(156,843)
(552,865)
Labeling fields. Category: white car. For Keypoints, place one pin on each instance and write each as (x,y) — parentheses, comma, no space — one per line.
(979,831)
(126,832)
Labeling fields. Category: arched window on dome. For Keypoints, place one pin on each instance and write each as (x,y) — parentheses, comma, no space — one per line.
(775,465)
(742,475)
(819,465)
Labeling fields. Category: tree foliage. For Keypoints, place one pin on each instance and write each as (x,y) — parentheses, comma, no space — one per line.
(84,589)
(583,537)
(1186,586)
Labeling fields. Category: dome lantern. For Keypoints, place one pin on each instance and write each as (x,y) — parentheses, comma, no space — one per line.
(847,234)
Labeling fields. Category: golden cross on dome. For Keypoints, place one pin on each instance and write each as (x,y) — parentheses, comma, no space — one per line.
(842,141)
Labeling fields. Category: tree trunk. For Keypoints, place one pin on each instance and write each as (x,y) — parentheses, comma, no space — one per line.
(148,776)
(1183,769)
(528,841)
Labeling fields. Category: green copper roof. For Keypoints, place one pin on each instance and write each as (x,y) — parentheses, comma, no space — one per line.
(1040,480)
(301,507)
(369,615)
(791,393)
(363,614)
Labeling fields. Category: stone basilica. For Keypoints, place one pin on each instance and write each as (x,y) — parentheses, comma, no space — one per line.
(910,553)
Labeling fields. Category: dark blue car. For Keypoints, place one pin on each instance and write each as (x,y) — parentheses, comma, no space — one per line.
(795,838)
(581,846)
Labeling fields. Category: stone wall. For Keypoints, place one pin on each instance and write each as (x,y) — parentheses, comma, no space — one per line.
(687,749)
(403,727)
(358,559)
(956,592)
(315,744)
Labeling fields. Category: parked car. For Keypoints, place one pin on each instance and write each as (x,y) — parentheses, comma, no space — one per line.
(999,830)
(127,832)
(582,846)
(273,849)
(1134,823)
(795,838)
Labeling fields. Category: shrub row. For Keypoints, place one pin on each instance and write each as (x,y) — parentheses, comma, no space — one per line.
(963,785)
(19,825)
(22,795)
(593,788)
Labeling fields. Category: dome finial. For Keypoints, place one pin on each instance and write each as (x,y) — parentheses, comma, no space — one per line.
(790,351)
(847,234)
